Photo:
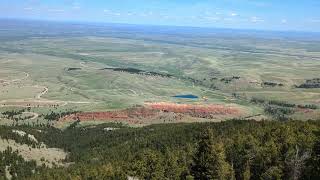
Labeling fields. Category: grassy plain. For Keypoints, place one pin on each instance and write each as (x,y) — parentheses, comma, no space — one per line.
(36,71)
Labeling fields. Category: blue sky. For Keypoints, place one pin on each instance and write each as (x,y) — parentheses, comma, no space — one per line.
(300,15)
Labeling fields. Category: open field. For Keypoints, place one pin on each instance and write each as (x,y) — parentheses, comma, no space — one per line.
(107,72)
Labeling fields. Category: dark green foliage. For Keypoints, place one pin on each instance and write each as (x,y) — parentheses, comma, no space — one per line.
(308,106)
(280,110)
(11,114)
(229,79)
(281,103)
(276,111)
(138,71)
(310,83)
(272,102)
(257,100)
(313,164)
(73,125)
(210,161)
(227,150)
(149,165)
(92,172)
(53,116)
(7,133)
(11,162)
(272,84)
(73,69)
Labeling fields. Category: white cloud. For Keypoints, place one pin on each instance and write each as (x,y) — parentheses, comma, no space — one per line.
(233,14)
(255,19)
(284,21)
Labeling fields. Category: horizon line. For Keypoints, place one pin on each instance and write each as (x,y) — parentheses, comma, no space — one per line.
(159,25)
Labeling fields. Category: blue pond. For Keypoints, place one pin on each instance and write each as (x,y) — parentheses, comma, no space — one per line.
(187,96)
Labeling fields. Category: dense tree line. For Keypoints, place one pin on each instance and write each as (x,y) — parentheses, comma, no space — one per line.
(282,103)
(272,84)
(228,150)
(280,110)
(310,83)
(308,106)
(54,116)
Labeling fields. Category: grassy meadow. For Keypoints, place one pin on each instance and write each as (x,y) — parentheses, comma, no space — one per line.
(60,73)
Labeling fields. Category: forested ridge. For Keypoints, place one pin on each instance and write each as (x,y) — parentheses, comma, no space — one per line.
(227,150)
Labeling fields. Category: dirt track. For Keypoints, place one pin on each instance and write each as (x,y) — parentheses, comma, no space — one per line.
(35,115)
(38,96)
(38,101)
(15,80)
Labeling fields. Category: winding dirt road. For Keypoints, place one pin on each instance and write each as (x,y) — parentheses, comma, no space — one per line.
(37,101)
(34,115)
(45,91)
(15,80)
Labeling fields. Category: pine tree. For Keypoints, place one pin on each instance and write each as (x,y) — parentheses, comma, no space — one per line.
(313,165)
(210,161)
(149,165)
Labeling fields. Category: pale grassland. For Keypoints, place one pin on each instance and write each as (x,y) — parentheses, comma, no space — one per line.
(42,155)
(46,60)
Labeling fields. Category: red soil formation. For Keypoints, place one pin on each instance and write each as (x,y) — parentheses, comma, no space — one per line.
(130,115)
(204,111)
(150,110)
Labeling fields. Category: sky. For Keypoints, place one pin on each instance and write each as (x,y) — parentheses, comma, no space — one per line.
(297,15)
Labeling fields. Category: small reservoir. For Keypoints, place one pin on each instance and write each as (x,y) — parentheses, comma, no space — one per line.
(186,96)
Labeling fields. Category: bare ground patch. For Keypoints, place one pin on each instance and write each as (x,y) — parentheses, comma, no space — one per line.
(162,112)
(42,155)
